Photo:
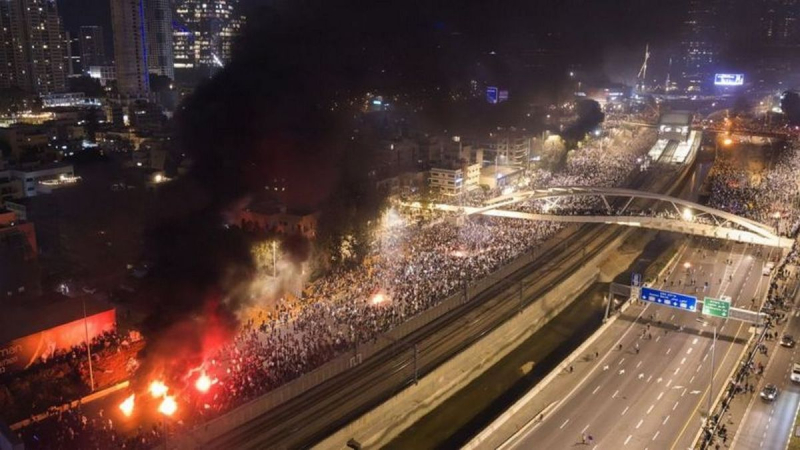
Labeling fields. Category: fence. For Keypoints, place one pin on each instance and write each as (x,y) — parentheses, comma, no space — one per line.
(340,364)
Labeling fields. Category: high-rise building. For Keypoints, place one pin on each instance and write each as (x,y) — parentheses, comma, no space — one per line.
(158,17)
(130,46)
(699,43)
(72,54)
(204,32)
(780,22)
(33,46)
(8,71)
(93,47)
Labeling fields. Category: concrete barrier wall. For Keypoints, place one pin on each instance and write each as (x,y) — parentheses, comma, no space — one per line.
(379,426)
(248,411)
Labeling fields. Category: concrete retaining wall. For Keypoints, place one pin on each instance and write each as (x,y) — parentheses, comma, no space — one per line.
(379,426)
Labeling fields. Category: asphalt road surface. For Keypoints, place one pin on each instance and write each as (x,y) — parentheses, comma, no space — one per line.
(768,425)
(652,393)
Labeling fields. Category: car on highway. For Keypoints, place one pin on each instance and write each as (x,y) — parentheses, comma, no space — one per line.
(770,392)
(768,268)
(787,341)
(795,376)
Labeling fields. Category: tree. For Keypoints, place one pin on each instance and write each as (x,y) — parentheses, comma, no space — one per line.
(790,104)
(590,115)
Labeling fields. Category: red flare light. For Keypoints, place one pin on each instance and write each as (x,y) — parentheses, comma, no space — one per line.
(168,406)
(127,406)
(158,389)
(203,383)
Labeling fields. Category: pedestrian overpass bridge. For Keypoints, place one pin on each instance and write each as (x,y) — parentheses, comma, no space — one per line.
(676,215)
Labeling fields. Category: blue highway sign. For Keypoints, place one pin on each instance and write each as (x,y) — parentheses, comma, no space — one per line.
(671,299)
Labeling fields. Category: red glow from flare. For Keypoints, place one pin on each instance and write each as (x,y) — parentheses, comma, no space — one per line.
(168,406)
(127,406)
(158,389)
(203,383)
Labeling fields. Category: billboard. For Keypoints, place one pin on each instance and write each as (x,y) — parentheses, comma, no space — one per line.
(22,352)
(492,95)
(729,79)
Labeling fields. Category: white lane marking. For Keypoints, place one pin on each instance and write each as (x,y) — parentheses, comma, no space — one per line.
(596,389)
(625,410)
(621,361)
(669,383)
(628,440)
(682,361)
(669,350)
(615,394)
(672,317)
(649,378)
(650,408)
(658,338)
(639,424)
(690,381)
(689,350)
(677,369)
(694,341)
(563,424)
(660,395)
(655,435)
(665,421)
(638,364)
(698,368)
(704,357)
(585,428)
(684,392)
(676,405)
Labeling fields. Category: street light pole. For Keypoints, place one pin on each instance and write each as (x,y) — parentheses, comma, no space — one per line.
(274,261)
(711,378)
(88,343)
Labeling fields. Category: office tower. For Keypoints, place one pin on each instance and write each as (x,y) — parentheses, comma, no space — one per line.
(204,32)
(33,56)
(72,54)
(700,42)
(93,47)
(158,15)
(130,46)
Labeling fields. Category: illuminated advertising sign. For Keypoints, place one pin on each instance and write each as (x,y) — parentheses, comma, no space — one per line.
(729,79)
(492,95)
(20,353)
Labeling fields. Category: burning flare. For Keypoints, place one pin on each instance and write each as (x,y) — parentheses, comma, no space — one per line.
(203,384)
(379,298)
(158,389)
(127,406)
(168,406)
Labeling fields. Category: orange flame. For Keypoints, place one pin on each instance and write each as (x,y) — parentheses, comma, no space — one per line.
(127,406)
(203,384)
(168,406)
(158,389)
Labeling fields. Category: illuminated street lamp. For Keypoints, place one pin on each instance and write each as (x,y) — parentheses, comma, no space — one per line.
(687,214)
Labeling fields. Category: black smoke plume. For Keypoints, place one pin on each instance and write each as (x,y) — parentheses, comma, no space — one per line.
(282,109)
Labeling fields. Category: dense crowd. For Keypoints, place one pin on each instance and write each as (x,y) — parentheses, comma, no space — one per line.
(413,266)
(771,197)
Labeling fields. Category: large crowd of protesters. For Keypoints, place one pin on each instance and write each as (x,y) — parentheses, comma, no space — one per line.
(771,196)
(414,265)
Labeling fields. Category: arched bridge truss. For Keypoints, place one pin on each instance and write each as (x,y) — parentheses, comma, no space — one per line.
(677,215)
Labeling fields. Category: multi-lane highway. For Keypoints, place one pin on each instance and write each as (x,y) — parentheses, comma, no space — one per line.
(652,392)
(768,425)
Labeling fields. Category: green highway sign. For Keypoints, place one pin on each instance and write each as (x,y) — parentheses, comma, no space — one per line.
(717,307)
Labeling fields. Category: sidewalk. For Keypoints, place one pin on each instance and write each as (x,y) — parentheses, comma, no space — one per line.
(740,403)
